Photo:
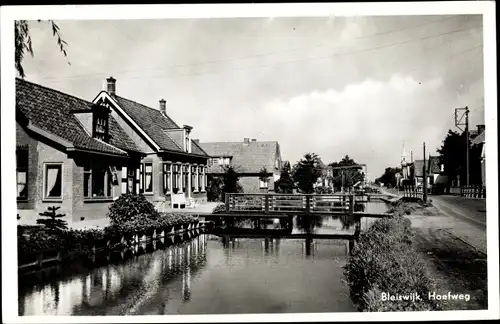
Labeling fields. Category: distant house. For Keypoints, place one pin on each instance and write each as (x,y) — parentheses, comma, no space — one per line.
(174,166)
(433,171)
(480,141)
(248,159)
(70,153)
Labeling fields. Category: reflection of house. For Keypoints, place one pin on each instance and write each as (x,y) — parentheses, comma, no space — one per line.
(248,158)
(480,141)
(81,155)
(70,153)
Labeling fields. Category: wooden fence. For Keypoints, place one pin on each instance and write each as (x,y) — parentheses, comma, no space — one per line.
(414,192)
(286,203)
(39,259)
(473,191)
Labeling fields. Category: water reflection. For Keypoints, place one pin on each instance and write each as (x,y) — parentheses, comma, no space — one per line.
(120,288)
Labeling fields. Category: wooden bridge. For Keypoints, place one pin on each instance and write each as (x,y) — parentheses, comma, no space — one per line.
(283,205)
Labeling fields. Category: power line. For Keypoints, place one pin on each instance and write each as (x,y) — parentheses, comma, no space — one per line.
(294,61)
(290,50)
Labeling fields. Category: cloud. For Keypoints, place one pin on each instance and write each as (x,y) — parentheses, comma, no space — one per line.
(367,120)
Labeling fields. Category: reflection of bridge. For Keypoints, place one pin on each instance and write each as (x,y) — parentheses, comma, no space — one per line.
(284,205)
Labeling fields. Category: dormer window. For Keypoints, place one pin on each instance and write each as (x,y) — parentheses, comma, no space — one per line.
(187,138)
(100,129)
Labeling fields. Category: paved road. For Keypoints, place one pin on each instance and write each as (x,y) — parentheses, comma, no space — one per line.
(470,210)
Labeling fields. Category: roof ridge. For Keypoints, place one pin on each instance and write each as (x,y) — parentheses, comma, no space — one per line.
(52,89)
(143,105)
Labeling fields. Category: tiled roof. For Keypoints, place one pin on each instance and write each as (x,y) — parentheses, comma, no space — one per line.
(479,139)
(247,158)
(154,124)
(434,164)
(52,111)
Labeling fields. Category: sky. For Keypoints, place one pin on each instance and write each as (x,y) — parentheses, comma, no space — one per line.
(358,86)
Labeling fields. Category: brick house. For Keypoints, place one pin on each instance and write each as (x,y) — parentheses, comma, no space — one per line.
(248,158)
(82,155)
(69,153)
(174,165)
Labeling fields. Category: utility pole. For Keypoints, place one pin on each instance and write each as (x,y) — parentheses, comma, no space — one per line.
(458,123)
(425,179)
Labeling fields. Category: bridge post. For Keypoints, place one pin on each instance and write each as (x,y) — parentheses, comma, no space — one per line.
(308,204)
(351,205)
(226,196)
(266,208)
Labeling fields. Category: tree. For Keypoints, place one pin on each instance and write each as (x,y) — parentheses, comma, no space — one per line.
(214,187)
(285,182)
(230,180)
(264,175)
(52,222)
(23,42)
(389,177)
(306,172)
(452,154)
(350,176)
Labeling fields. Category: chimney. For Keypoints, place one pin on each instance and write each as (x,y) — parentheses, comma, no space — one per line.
(254,140)
(480,129)
(111,85)
(246,141)
(163,106)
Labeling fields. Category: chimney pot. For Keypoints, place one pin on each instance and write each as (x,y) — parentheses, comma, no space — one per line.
(246,140)
(111,85)
(163,106)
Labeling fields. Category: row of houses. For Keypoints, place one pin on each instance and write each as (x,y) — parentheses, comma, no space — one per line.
(81,155)
(412,172)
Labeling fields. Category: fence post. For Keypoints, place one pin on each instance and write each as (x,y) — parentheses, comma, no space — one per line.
(308,204)
(226,197)
(351,205)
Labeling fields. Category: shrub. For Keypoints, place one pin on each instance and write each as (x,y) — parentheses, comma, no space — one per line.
(385,261)
(220,208)
(128,206)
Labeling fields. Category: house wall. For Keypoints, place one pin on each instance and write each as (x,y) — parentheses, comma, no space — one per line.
(251,184)
(39,154)
(73,203)
(88,208)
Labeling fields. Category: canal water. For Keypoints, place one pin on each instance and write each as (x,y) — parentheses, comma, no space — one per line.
(205,275)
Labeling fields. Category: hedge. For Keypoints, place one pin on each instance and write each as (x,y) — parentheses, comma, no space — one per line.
(384,261)
(36,239)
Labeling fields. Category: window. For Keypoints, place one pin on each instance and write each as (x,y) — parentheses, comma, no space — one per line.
(130,180)
(185,173)
(263,184)
(52,181)
(100,130)
(147,177)
(194,178)
(203,178)
(22,174)
(167,169)
(176,177)
(97,182)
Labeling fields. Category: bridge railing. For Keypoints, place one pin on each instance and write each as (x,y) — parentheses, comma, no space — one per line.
(304,203)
